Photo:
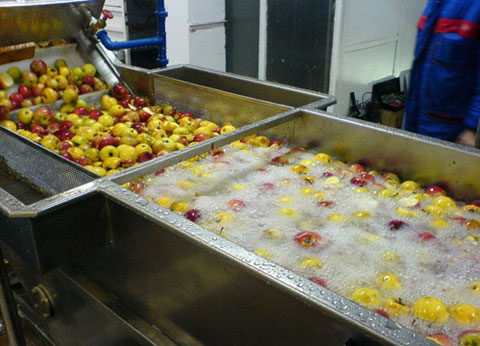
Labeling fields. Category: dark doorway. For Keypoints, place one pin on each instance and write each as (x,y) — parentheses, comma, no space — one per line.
(242,30)
(299,36)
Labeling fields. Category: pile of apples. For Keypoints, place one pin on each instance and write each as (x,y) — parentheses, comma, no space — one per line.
(44,84)
(124,131)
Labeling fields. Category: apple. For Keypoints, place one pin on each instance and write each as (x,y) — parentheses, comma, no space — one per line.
(43,116)
(16,97)
(426,236)
(193,215)
(395,225)
(140,102)
(382,312)
(80,111)
(168,109)
(19,125)
(3,94)
(106,141)
(160,172)
(95,114)
(49,95)
(35,128)
(14,72)
(120,91)
(38,67)
(25,91)
(7,103)
(52,71)
(433,190)
(6,80)
(200,137)
(3,113)
(65,135)
(236,204)
(367,177)
(88,80)
(85,89)
(60,63)
(469,338)
(89,70)
(356,167)
(67,155)
(358,181)
(145,113)
(325,204)
(124,104)
(307,239)
(145,156)
(62,82)
(279,160)
(64,146)
(137,187)
(53,127)
(140,127)
(318,281)
(15,105)
(25,116)
(83,161)
(266,187)
(29,79)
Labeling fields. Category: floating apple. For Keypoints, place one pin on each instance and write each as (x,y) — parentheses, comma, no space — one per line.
(307,239)
(39,67)
(469,338)
(193,215)
(120,91)
(236,204)
(3,113)
(395,225)
(318,281)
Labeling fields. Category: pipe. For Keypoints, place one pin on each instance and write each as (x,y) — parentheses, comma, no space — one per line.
(160,40)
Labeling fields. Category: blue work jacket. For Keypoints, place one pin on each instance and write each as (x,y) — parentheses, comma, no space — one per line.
(444,94)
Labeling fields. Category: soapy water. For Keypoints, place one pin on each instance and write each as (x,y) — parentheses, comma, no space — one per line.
(357,244)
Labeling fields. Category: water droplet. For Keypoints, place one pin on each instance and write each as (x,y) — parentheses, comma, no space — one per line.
(214,238)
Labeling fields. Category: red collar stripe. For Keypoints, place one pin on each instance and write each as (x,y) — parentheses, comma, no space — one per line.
(462,27)
(422,22)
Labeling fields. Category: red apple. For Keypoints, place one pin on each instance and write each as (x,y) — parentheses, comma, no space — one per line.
(16,97)
(80,111)
(127,163)
(88,80)
(65,135)
(66,125)
(279,160)
(108,140)
(327,174)
(25,91)
(124,104)
(3,113)
(145,156)
(318,281)
(356,167)
(120,91)
(95,114)
(200,137)
(37,89)
(236,204)
(395,225)
(64,145)
(137,187)
(276,142)
(266,187)
(38,67)
(140,102)
(163,170)
(15,104)
(53,127)
(193,215)
(425,236)
(325,204)
(181,115)
(307,239)
(145,113)
(35,128)
(433,190)
(139,127)
(67,155)
(368,177)
(382,312)
(20,125)
(83,161)
(358,181)
(84,89)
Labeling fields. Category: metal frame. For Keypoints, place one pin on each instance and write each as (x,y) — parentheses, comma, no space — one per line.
(247,86)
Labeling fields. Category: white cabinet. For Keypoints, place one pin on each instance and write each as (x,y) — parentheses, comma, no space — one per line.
(196,33)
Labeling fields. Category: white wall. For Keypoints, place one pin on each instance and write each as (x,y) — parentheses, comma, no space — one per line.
(373,39)
(189,41)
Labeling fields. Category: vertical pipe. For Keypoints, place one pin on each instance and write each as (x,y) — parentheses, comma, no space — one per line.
(162,48)
(262,40)
(9,309)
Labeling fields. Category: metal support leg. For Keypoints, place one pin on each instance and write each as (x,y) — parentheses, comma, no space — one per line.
(9,309)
